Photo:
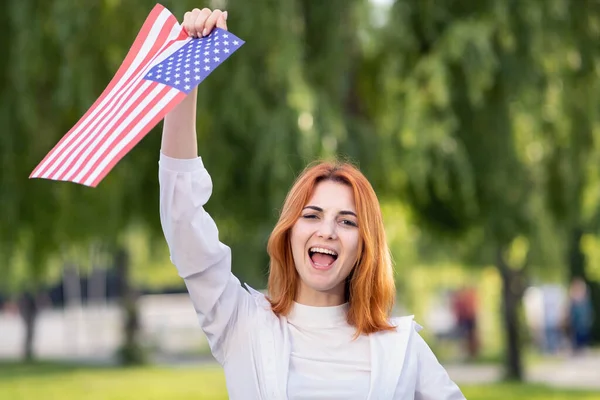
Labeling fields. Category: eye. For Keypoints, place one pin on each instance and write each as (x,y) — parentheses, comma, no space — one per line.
(349,222)
(309,216)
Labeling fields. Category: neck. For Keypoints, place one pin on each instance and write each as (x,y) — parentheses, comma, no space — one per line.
(311,297)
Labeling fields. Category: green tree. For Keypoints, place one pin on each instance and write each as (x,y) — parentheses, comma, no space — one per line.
(571,101)
(462,86)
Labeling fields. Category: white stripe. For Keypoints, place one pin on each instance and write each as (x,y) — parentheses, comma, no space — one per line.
(97,135)
(131,110)
(147,45)
(129,97)
(132,134)
(89,144)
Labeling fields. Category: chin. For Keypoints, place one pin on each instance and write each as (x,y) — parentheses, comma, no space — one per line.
(320,283)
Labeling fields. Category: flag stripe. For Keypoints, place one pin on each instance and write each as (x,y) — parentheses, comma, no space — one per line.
(144,31)
(128,96)
(135,110)
(88,131)
(138,54)
(111,120)
(121,112)
(130,136)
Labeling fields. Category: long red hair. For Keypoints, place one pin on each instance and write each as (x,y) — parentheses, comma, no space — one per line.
(370,288)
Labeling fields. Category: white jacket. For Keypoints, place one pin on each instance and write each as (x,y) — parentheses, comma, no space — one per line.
(245,336)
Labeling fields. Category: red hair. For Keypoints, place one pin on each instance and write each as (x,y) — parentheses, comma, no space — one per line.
(370,287)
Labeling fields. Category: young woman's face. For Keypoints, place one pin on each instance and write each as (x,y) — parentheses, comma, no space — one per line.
(325,244)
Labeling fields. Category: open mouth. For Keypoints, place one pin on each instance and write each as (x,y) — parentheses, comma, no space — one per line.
(322,258)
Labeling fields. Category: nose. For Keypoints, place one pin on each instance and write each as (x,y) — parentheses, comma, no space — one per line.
(327,230)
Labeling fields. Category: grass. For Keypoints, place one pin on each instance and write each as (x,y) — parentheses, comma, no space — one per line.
(60,381)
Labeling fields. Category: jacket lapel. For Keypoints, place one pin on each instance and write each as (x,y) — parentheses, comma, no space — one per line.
(271,349)
(388,351)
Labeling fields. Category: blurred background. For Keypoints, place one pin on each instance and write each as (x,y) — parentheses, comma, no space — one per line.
(478,124)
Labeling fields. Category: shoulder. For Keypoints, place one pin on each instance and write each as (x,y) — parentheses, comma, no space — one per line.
(406,324)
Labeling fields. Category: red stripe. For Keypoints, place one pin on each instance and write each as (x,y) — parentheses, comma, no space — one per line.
(125,131)
(135,48)
(103,132)
(146,129)
(92,134)
(138,93)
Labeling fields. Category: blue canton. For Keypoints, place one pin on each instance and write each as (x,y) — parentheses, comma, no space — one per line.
(194,61)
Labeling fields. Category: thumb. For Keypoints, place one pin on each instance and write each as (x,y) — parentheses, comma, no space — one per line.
(222,21)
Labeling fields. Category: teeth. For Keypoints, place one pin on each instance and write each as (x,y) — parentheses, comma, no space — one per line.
(322,250)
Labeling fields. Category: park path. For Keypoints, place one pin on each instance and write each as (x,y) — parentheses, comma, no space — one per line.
(581,371)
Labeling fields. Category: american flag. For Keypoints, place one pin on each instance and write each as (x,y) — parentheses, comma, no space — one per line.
(162,66)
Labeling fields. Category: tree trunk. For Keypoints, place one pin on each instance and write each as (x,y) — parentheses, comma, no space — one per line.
(512,293)
(29,311)
(577,264)
(130,352)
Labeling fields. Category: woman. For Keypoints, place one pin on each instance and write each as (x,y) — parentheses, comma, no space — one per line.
(324,332)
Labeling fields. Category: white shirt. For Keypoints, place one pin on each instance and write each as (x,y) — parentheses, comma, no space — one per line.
(253,345)
(326,363)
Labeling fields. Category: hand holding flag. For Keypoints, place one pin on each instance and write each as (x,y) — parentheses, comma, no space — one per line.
(163,65)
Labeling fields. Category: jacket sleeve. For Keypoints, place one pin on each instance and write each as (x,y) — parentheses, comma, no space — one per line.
(201,259)
(433,382)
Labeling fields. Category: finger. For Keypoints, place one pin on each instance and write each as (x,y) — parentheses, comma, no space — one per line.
(222,21)
(188,21)
(211,22)
(198,24)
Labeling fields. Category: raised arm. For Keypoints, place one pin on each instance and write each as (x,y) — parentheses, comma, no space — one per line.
(201,259)
(179,129)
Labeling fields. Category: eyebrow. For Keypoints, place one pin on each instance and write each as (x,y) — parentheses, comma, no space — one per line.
(319,209)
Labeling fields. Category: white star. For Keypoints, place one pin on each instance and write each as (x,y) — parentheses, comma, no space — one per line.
(158,76)
(177,82)
(226,42)
(171,58)
(216,59)
(170,62)
(196,69)
(196,62)
(168,68)
(187,65)
(235,42)
(206,60)
(187,71)
(187,87)
(225,35)
(177,69)
(206,53)
(197,56)
(150,74)
(186,80)
(177,75)
(167,79)
(216,51)
(226,50)
(197,77)
(168,73)
(207,68)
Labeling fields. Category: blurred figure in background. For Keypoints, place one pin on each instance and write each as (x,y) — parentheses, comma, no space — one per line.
(553,298)
(580,314)
(465,310)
